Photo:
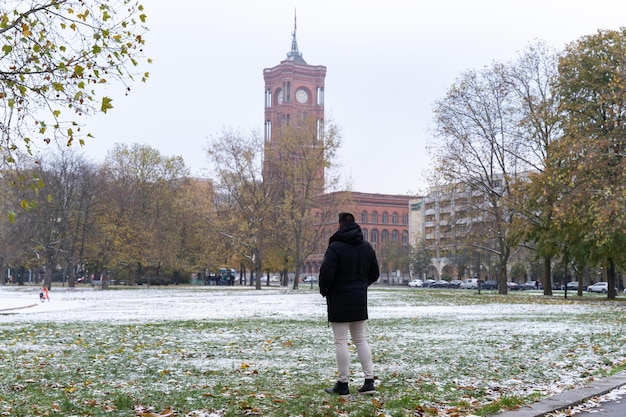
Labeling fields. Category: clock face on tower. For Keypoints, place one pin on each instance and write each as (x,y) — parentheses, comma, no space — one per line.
(280,97)
(302,96)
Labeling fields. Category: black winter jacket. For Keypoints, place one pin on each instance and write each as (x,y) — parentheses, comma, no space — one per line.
(348,268)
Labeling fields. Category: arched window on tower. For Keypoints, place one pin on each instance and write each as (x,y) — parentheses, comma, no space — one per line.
(374,240)
(394,218)
(385,217)
(395,236)
(320,96)
(364,216)
(268,98)
(268,130)
(374,217)
(384,236)
(365,234)
(405,238)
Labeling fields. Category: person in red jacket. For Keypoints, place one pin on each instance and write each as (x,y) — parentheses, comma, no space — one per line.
(348,269)
(43,295)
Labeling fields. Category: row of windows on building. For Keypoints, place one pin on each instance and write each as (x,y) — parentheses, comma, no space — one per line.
(375,237)
(373,218)
(285,120)
(475,201)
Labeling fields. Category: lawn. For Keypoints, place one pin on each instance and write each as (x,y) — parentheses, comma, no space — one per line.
(231,351)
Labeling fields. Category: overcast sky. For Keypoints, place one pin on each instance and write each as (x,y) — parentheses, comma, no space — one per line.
(387,62)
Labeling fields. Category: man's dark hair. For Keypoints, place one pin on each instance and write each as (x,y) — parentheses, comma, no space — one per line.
(345,218)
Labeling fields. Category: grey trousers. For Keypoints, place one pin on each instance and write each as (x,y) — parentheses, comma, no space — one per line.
(342,353)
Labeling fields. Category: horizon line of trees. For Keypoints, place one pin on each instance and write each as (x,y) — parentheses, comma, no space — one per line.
(139,216)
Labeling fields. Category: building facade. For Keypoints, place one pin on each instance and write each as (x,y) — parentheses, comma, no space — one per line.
(454,222)
(384,220)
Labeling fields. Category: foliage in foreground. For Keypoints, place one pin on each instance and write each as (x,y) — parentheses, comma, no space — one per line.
(464,355)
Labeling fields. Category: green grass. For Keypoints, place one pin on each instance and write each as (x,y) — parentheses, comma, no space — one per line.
(463,354)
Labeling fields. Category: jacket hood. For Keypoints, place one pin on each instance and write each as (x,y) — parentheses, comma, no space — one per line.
(350,233)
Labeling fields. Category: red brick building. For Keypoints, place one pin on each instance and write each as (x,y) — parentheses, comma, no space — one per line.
(384,219)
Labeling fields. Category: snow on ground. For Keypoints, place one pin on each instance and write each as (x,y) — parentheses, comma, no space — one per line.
(197,303)
(94,304)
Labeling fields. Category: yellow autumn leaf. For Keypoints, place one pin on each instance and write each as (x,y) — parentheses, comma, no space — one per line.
(106,104)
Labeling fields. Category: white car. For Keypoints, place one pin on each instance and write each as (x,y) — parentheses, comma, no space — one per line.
(469,284)
(416,283)
(602,287)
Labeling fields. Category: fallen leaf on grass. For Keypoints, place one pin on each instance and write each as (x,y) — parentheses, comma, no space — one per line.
(168,412)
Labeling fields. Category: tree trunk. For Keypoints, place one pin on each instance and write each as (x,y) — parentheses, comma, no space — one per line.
(296,280)
(257,276)
(502,279)
(547,275)
(610,278)
(47,275)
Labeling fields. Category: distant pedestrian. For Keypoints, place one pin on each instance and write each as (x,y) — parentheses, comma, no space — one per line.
(43,295)
(348,269)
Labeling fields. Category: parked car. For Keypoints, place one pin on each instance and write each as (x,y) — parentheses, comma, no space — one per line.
(573,286)
(440,284)
(274,279)
(489,285)
(455,283)
(428,283)
(512,286)
(416,283)
(601,287)
(469,284)
(310,279)
(531,285)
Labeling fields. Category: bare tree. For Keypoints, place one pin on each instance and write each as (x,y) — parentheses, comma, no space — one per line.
(306,153)
(532,77)
(244,200)
(476,124)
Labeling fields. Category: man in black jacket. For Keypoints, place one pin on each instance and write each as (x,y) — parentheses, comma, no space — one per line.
(348,268)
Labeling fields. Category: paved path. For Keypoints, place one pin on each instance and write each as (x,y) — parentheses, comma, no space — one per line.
(574,397)
(6,310)
(611,409)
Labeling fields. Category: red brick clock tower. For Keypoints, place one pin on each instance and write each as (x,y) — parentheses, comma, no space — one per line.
(294,96)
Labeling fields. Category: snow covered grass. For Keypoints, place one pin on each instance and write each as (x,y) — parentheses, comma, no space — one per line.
(232,351)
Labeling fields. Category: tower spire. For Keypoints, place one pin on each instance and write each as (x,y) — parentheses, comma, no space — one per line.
(294,54)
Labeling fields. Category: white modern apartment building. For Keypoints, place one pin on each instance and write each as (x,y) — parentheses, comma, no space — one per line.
(445,217)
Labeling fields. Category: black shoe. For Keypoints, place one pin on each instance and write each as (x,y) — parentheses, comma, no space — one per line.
(340,388)
(367,388)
